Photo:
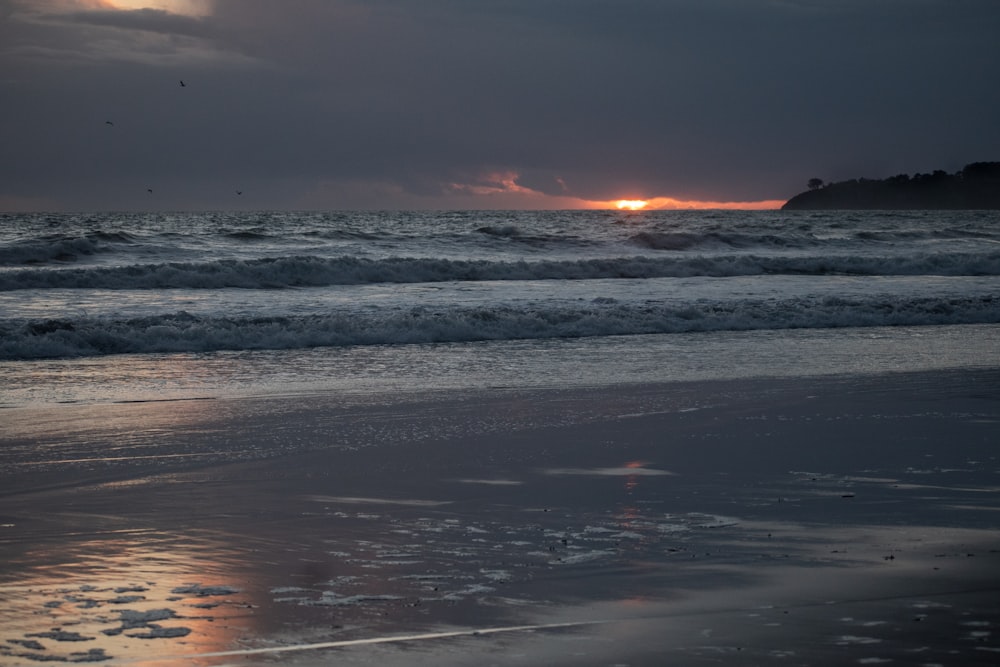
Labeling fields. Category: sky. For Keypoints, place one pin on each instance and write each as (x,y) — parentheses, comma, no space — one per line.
(484,104)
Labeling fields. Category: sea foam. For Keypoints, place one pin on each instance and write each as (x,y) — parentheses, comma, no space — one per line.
(312,271)
(185,332)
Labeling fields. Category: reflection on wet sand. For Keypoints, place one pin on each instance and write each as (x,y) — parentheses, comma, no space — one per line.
(430,535)
(322,573)
(124,595)
(84,444)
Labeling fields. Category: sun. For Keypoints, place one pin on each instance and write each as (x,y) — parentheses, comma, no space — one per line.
(631,204)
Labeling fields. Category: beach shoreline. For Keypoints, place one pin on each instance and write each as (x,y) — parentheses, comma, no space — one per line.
(681,521)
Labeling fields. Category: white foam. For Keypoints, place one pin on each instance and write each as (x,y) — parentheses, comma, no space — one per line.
(329,599)
(198,590)
(854,639)
(355,500)
(402,323)
(494,482)
(583,557)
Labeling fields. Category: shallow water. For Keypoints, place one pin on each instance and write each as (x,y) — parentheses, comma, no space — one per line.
(793,519)
(390,369)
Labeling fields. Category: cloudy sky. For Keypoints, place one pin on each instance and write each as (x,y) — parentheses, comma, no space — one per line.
(387,104)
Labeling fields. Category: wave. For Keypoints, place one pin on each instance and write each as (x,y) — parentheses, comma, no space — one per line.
(184,332)
(61,248)
(309,271)
(799,239)
(517,234)
(507,231)
(689,240)
(249,235)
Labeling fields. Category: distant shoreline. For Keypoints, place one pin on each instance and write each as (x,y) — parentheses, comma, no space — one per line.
(976,186)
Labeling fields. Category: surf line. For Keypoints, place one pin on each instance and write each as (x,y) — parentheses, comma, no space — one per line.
(371,640)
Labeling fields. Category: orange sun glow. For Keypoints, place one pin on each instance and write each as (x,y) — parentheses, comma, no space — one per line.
(183,7)
(631,204)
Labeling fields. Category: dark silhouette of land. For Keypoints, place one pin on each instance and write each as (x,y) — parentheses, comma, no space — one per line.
(976,186)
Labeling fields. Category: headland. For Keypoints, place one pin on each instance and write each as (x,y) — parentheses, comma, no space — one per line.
(976,186)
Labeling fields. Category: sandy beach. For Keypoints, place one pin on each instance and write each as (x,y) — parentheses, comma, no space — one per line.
(839,520)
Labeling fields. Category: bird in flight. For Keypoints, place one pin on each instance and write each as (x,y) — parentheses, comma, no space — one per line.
(183,85)
(108,122)
(149,190)
(239,192)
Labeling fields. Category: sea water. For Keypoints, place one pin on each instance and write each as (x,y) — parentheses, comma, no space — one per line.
(143,306)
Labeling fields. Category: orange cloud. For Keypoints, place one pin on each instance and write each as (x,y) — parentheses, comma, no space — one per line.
(500,190)
(494,184)
(503,190)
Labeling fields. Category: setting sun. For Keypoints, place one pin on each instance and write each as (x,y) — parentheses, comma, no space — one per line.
(631,204)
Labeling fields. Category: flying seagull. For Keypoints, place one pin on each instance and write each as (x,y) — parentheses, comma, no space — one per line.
(108,122)
(149,190)
(239,192)
(183,85)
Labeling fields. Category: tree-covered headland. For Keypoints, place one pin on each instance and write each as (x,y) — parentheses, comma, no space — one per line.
(976,186)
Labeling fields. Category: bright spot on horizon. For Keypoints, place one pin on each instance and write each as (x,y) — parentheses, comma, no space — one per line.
(673,204)
(631,204)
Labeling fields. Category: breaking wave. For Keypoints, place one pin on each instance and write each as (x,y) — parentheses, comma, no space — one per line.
(309,271)
(61,248)
(184,332)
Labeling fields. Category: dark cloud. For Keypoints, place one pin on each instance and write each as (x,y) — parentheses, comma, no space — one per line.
(394,103)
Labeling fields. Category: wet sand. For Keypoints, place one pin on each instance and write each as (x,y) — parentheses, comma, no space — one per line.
(844,520)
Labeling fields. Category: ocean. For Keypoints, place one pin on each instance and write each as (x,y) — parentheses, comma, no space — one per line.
(516,438)
(118,307)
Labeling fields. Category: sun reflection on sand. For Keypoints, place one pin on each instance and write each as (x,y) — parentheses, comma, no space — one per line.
(124,437)
(629,516)
(122,595)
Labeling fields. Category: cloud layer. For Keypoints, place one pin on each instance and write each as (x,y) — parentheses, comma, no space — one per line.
(485,104)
